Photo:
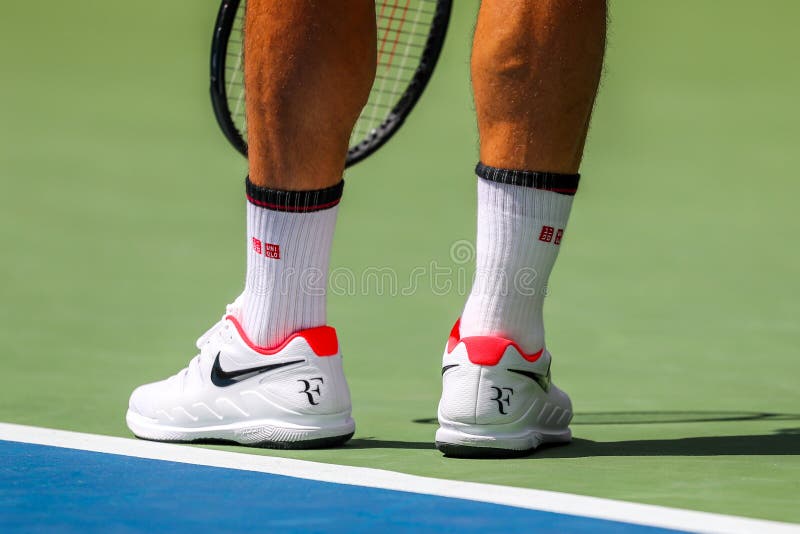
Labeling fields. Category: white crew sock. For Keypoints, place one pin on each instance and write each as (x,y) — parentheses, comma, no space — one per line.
(289,236)
(521,221)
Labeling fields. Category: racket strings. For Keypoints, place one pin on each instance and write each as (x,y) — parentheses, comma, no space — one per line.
(234,72)
(403,28)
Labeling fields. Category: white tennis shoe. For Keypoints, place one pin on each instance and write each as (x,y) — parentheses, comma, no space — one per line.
(292,396)
(498,401)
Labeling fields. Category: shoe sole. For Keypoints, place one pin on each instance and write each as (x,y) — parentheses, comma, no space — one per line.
(262,434)
(458,443)
(320,443)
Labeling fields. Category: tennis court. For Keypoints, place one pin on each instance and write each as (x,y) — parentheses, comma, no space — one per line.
(672,313)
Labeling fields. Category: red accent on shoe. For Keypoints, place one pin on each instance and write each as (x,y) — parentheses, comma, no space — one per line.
(455,336)
(321,339)
(486,350)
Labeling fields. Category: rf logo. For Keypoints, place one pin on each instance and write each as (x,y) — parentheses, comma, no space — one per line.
(311,389)
(502,398)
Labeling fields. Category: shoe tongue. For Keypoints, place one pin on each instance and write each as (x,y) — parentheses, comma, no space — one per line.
(234,308)
(202,340)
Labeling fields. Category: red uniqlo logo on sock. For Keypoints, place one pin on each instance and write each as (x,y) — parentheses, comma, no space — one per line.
(272,251)
(549,234)
(267,249)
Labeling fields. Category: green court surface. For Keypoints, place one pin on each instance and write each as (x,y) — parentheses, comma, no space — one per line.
(673,310)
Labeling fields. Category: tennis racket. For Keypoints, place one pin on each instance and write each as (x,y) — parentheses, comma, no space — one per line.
(410,38)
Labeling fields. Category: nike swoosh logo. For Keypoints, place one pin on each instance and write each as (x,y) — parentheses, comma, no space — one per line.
(222,378)
(447,367)
(542,380)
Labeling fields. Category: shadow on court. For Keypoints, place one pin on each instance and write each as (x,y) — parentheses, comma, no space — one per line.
(372,443)
(661,417)
(782,442)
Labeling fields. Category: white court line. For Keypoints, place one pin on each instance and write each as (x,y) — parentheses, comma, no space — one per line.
(548,501)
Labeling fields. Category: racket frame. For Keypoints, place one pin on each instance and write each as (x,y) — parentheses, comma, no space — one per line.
(219,94)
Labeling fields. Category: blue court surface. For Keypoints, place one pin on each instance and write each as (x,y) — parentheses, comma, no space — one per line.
(50,487)
(78,484)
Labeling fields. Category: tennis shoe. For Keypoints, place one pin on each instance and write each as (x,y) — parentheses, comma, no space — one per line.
(498,401)
(290,397)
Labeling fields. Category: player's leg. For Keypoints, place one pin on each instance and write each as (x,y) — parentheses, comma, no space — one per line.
(535,68)
(309,67)
(269,373)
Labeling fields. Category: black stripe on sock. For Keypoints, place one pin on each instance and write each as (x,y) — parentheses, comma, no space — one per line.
(295,201)
(565,184)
